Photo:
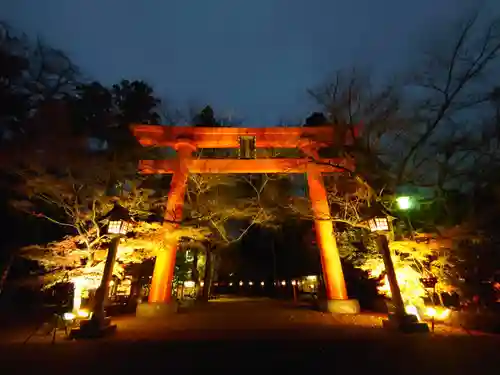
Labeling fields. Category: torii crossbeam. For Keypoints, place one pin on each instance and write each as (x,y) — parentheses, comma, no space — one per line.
(185,140)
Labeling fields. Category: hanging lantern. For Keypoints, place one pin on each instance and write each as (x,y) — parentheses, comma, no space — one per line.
(378,224)
(119,220)
(376,218)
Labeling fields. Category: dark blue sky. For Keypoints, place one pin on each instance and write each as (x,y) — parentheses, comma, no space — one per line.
(250,58)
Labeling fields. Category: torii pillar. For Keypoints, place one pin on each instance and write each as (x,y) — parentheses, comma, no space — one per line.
(186,140)
(160,294)
(333,277)
(337,300)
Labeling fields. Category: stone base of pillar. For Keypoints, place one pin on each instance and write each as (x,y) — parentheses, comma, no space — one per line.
(156,310)
(340,306)
(406,324)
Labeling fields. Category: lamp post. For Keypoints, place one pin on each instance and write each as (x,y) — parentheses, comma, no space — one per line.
(294,290)
(406,203)
(399,319)
(118,226)
(430,283)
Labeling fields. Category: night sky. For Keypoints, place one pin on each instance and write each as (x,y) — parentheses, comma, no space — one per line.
(250,59)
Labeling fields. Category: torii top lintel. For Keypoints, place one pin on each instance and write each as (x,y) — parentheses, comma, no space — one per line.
(227,137)
(308,139)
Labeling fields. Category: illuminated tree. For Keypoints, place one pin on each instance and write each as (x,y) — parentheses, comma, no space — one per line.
(228,207)
(415,132)
(32,73)
(70,257)
(78,194)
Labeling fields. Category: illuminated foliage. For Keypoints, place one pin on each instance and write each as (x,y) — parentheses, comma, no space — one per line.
(412,262)
(423,140)
(70,258)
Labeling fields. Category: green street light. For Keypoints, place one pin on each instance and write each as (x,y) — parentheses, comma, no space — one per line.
(404,203)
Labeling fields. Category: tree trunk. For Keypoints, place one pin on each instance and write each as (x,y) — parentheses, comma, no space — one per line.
(5,271)
(207,279)
(215,268)
(135,289)
(194,268)
(195,275)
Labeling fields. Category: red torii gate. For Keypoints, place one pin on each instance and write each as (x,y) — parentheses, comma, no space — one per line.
(185,140)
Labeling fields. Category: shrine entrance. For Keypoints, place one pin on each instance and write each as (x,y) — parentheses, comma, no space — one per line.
(186,140)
